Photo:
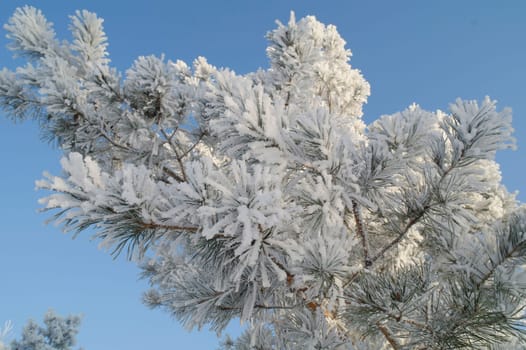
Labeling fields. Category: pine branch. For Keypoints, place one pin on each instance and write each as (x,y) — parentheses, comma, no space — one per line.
(400,236)
(157,226)
(107,137)
(105,81)
(295,149)
(173,175)
(261,307)
(388,336)
(424,210)
(191,148)
(508,254)
(174,149)
(361,230)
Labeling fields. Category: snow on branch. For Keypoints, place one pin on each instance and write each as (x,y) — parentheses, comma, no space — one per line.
(30,33)
(265,197)
(89,39)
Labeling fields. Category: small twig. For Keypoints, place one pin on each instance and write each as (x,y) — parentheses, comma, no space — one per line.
(106,82)
(172,174)
(402,234)
(194,145)
(361,230)
(493,268)
(151,225)
(177,156)
(259,306)
(114,143)
(352,278)
(387,334)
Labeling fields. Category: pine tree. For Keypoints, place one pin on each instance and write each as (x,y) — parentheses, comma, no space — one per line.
(266,197)
(58,334)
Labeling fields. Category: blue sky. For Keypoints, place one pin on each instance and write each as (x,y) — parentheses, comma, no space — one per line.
(410,51)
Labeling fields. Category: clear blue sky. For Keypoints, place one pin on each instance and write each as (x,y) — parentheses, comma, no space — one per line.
(410,51)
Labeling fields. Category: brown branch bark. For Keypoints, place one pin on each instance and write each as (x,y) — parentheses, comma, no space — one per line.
(361,230)
(172,174)
(388,336)
(177,156)
(155,226)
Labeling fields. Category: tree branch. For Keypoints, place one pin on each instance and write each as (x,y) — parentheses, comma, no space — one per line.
(361,230)
(259,306)
(177,156)
(402,234)
(155,226)
(201,135)
(104,79)
(421,214)
(172,174)
(387,334)
(508,255)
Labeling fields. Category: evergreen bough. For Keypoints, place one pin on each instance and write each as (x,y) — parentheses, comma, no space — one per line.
(265,197)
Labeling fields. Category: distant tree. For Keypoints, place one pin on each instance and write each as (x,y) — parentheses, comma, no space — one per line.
(265,196)
(58,334)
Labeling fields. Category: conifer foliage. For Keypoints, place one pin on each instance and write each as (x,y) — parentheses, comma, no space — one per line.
(266,197)
(59,333)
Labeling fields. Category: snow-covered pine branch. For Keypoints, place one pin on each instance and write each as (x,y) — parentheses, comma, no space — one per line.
(266,197)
